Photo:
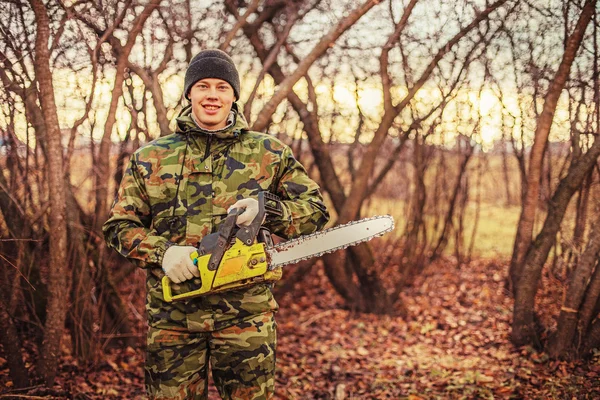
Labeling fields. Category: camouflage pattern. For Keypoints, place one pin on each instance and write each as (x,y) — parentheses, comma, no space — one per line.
(242,361)
(177,189)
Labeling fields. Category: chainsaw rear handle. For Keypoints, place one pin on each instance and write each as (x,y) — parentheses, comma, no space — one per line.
(272,204)
(267,203)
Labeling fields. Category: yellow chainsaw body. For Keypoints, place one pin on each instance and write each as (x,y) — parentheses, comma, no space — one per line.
(241,266)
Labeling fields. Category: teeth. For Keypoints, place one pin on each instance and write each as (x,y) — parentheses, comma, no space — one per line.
(211,107)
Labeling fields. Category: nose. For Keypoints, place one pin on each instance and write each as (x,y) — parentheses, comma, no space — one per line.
(212,92)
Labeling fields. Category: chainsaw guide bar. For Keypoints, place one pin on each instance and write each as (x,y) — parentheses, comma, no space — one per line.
(329,240)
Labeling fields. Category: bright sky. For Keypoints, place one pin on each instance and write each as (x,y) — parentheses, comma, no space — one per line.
(70,93)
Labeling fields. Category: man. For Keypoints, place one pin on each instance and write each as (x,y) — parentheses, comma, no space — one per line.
(178,189)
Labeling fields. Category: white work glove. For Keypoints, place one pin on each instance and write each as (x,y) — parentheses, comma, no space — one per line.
(178,265)
(250,207)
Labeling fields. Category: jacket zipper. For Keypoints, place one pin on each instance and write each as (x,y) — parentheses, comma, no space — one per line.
(207,150)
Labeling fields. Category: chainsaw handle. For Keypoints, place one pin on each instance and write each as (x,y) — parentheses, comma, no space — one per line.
(247,234)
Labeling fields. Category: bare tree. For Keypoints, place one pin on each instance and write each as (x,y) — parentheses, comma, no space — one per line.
(58,276)
(544,123)
(370,294)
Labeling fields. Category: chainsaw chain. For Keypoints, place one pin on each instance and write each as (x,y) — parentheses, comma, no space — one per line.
(293,242)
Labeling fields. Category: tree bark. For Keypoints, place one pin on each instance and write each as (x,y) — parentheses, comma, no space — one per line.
(582,212)
(414,227)
(567,320)
(341,279)
(116,317)
(241,21)
(589,308)
(81,316)
(58,281)
(592,339)
(11,344)
(526,286)
(443,239)
(297,273)
(506,175)
(536,158)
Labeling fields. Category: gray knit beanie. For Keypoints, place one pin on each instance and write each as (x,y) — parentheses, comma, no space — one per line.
(211,64)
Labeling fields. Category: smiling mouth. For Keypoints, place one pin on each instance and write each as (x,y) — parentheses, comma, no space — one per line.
(211,107)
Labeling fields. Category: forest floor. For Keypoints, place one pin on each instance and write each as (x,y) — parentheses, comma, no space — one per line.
(452,343)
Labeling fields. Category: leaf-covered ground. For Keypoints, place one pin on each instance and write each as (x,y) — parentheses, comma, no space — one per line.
(453,344)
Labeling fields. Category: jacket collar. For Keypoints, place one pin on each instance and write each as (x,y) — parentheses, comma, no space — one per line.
(186,124)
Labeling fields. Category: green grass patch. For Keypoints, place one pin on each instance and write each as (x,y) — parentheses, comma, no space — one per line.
(496,227)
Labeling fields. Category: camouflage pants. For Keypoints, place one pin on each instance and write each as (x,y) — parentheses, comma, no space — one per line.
(242,359)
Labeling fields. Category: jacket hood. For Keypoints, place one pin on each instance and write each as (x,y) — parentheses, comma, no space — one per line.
(187,125)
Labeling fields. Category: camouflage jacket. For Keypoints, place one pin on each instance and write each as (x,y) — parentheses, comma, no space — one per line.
(177,189)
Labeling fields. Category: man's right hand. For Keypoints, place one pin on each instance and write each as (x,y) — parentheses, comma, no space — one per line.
(178,264)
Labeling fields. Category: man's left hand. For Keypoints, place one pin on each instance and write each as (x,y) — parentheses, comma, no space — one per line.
(250,207)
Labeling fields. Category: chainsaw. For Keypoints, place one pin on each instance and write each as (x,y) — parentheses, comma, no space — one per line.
(233,258)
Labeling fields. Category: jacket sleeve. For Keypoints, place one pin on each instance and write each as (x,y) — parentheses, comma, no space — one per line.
(304,211)
(128,228)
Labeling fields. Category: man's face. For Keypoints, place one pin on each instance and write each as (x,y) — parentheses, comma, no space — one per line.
(211,100)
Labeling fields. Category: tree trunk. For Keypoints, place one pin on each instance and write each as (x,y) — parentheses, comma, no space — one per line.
(506,175)
(443,239)
(589,308)
(376,298)
(11,344)
(567,320)
(582,212)
(82,313)
(592,340)
(526,286)
(58,281)
(159,106)
(297,273)
(116,317)
(415,222)
(336,271)
(544,123)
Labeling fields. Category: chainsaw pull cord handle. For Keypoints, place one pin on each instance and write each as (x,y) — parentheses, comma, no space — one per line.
(225,235)
(247,234)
